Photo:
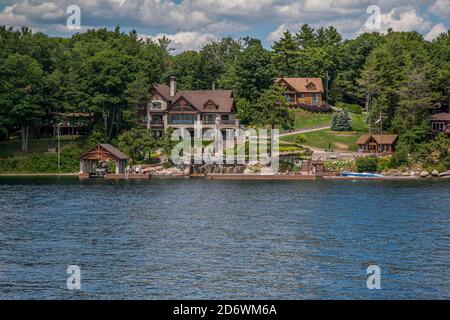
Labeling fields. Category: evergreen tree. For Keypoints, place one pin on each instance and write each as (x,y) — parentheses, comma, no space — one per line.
(285,54)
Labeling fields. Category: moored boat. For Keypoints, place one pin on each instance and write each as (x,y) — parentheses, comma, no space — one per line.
(361,174)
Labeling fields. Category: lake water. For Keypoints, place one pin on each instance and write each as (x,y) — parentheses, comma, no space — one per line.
(205,239)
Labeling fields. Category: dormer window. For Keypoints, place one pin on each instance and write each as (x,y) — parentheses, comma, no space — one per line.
(311,86)
(210,105)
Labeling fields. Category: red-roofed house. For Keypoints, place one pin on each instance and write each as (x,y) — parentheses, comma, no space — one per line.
(169,107)
(302,90)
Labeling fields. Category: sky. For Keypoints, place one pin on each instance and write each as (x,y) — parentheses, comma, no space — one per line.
(190,23)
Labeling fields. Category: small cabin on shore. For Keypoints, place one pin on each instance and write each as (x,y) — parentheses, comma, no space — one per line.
(377,143)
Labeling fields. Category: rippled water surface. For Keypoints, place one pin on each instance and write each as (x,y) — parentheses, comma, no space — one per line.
(195,238)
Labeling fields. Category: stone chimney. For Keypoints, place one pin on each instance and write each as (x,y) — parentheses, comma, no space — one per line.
(173,86)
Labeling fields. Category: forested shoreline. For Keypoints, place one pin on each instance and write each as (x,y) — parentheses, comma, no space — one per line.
(107,73)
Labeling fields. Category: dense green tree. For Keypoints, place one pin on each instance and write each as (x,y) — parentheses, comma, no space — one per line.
(253,71)
(21,92)
(341,121)
(136,143)
(286,54)
(106,76)
(271,109)
(440,68)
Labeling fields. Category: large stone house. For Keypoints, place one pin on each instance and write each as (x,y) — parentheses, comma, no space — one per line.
(307,91)
(169,107)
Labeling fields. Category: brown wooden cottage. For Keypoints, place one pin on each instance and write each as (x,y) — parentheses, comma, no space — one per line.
(440,123)
(302,90)
(377,143)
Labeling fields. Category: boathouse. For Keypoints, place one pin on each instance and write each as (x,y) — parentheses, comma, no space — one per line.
(102,153)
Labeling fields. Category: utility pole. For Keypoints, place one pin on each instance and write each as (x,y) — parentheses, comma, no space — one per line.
(368,110)
(326,92)
(59,145)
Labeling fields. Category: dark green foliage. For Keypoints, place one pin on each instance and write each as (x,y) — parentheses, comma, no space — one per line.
(271,109)
(252,72)
(366,164)
(44,163)
(353,108)
(137,143)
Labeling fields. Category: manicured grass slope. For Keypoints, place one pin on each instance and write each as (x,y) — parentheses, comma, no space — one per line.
(304,119)
(324,139)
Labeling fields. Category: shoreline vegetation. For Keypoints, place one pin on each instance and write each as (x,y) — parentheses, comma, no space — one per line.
(380,83)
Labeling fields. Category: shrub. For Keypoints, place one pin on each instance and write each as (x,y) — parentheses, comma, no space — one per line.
(367,164)
(383,164)
(300,140)
(400,157)
(315,108)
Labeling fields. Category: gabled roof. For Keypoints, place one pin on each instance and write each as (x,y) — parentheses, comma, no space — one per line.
(443,116)
(379,138)
(198,98)
(101,150)
(300,84)
(163,90)
(363,139)
(385,138)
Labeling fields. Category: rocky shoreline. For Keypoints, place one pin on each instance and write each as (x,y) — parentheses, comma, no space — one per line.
(418,174)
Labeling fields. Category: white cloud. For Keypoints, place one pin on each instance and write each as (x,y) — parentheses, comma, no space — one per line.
(440,8)
(435,31)
(188,19)
(183,41)
(400,19)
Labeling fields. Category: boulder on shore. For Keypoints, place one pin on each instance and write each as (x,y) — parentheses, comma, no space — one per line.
(424,174)
(435,173)
(444,174)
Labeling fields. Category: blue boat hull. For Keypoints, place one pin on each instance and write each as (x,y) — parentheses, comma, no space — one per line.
(361,174)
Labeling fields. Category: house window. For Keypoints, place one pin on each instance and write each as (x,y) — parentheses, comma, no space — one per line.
(157,105)
(157,119)
(289,97)
(315,99)
(210,105)
(182,118)
(438,126)
(302,95)
(209,118)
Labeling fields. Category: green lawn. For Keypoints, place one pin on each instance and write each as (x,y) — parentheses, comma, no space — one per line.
(35,146)
(324,139)
(304,119)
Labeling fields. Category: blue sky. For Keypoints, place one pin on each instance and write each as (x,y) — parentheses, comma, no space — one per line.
(189,23)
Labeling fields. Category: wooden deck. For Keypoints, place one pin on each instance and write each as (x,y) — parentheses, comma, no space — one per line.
(118,176)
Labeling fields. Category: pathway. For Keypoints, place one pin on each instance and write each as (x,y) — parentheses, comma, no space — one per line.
(304,130)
